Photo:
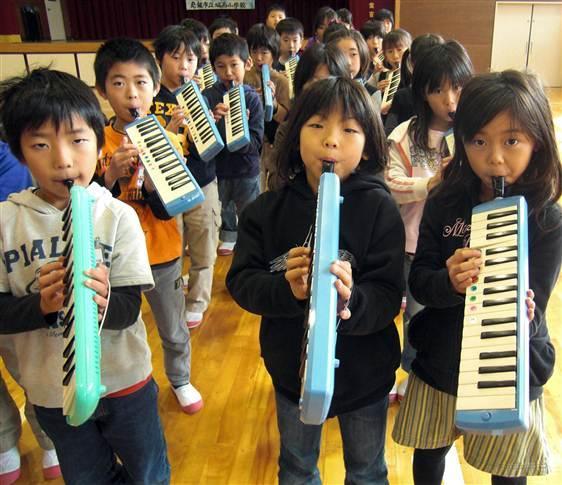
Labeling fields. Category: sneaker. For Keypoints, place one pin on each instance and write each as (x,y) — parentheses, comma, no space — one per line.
(185,280)
(189,398)
(193,319)
(51,468)
(10,466)
(401,390)
(226,248)
(403,304)
(393,394)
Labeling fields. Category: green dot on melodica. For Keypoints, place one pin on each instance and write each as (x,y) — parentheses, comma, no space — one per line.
(472,298)
(473,288)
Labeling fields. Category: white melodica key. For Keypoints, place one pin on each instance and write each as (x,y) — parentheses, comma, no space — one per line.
(235,120)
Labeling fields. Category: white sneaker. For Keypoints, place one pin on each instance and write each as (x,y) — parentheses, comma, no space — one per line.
(401,390)
(189,398)
(51,468)
(226,248)
(393,394)
(193,319)
(185,280)
(10,464)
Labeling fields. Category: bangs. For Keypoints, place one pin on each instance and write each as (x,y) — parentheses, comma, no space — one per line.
(451,69)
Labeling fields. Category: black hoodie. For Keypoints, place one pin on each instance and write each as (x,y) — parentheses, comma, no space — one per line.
(436,332)
(371,230)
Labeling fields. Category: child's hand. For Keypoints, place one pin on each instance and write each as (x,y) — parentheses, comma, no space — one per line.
(123,162)
(177,120)
(272,87)
(464,267)
(220,110)
(298,267)
(51,286)
(530,301)
(99,282)
(438,176)
(344,284)
(378,66)
(381,85)
(385,107)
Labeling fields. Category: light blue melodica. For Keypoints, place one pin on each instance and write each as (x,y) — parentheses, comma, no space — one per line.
(267,95)
(236,119)
(319,348)
(493,391)
(81,369)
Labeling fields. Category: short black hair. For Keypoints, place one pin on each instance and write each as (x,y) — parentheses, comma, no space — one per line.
(290,25)
(335,31)
(323,14)
(223,23)
(384,14)
(373,28)
(345,15)
(333,35)
(275,7)
(174,37)
(198,28)
(261,36)
(46,95)
(395,38)
(229,45)
(123,49)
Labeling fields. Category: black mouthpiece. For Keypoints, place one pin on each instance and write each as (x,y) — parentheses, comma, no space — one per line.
(452,114)
(498,184)
(69,183)
(328,167)
(135,113)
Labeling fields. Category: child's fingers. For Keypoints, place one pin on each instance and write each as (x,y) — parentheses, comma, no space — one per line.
(50,278)
(296,274)
(342,270)
(344,291)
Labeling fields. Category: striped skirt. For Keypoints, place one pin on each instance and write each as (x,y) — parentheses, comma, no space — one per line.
(426,420)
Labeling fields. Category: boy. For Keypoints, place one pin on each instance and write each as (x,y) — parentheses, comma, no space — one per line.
(201,32)
(127,76)
(237,172)
(275,13)
(222,25)
(200,224)
(373,33)
(60,140)
(264,49)
(291,33)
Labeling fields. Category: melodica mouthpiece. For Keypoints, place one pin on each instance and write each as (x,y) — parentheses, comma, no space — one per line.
(452,114)
(328,167)
(135,113)
(498,184)
(69,183)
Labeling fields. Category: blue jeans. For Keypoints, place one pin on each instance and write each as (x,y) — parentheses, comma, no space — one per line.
(127,427)
(363,435)
(239,191)
(412,307)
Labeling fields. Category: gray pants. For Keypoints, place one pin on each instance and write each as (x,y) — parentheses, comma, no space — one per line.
(201,232)
(10,422)
(167,303)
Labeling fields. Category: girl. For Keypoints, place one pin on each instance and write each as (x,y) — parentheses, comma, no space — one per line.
(402,108)
(417,152)
(503,127)
(332,120)
(318,62)
(324,17)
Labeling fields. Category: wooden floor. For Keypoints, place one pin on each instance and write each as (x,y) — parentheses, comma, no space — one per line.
(233,440)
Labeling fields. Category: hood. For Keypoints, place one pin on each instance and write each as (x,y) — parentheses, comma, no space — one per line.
(355,182)
(400,132)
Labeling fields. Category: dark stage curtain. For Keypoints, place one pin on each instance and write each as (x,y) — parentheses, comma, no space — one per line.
(143,19)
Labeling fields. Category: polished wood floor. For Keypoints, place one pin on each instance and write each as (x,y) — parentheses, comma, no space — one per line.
(233,440)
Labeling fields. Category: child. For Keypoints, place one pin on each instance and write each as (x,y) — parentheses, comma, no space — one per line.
(264,49)
(418,152)
(402,108)
(200,224)
(324,17)
(60,140)
(275,14)
(291,34)
(127,76)
(503,127)
(386,17)
(237,172)
(201,32)
(318,62)
(332,120)
(222,25)
(373,33)
(345,17)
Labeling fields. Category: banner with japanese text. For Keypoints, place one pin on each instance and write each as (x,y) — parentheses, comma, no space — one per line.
(220,4)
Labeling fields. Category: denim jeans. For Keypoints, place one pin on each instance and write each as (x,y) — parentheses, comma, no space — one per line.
(363,435)
(240,191)
(127,427)
(412,307)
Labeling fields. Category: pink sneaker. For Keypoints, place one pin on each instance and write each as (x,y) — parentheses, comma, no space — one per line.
(189,398)
(393,394)
(51,468)
(10,464)
(193,319)
(226,248)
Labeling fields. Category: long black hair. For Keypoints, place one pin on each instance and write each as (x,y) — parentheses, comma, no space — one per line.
(441,63)
(322,97)
(523,98)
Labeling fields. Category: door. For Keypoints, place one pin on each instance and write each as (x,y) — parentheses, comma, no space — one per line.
(511,36)
(545,41)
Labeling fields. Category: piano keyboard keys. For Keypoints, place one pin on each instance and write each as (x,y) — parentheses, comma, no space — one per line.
(199,121)
(235,120)
(392,86)
(290,68)
(493,383)
(174,184)
(207,76)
